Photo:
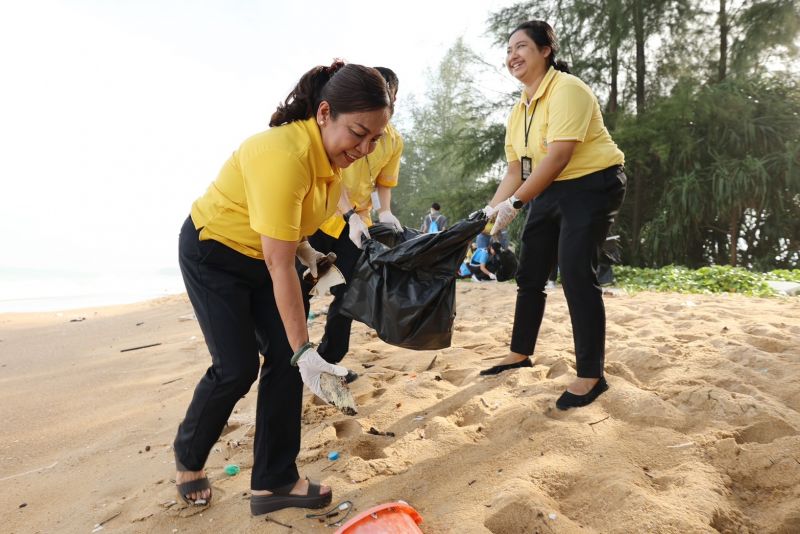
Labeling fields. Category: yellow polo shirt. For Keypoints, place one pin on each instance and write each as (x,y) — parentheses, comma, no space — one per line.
(380,167)
(564,109)
(278,183)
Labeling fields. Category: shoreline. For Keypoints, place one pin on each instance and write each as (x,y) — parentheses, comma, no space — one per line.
(34,305)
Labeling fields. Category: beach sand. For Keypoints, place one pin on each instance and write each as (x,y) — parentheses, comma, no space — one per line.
(700,431)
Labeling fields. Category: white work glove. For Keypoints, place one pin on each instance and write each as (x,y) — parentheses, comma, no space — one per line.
(487,212)
(504,213)
(312,366)
(492,276)
(309,256)
(389,218)
(358,229)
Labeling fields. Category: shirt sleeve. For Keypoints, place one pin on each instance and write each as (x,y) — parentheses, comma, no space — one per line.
(275,183)
(571,108)
(388,175)
(511,154)
(479,257)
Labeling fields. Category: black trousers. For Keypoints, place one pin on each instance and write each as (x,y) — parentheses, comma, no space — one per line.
(233,300)
(336,338)
(568,220)
(477,272)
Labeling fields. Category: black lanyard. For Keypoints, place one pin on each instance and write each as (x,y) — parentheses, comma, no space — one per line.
(527,124)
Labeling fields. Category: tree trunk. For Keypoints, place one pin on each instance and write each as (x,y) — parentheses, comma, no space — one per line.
(638,15)
(638,186)
(733,231)
(613,54)
(723,41)
(613,96)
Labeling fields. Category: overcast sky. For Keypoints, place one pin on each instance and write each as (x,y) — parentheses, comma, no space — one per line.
(116,115)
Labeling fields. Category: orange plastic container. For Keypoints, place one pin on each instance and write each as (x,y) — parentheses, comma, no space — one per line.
(390,518)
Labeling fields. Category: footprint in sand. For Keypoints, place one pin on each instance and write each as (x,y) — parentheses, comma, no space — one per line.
(765,344)
(765,431)
(471,414)
(457,377)
(366,398)
(620,370)
(349,428)
(559,368)
(526,510)
(367,449)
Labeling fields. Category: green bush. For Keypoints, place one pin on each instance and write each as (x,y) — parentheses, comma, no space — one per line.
(719,279)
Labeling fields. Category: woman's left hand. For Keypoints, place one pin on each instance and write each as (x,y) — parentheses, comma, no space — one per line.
(358,229)
(312,365)
(388,217)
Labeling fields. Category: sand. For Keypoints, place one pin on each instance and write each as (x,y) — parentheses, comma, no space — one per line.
(700,431)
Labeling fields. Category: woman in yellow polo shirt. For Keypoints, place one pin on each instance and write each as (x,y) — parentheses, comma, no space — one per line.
(237,253)
(561,160)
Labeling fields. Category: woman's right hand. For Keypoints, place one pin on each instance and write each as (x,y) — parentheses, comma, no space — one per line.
(309,256)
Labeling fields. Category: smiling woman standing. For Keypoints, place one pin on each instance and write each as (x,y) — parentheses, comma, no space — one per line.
(237,252)
(563,161)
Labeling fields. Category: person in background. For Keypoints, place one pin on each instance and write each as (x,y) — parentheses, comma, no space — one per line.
(484,239)
(237,256)
(502,238)
(463,269)
(562,159)
(434,221)
(367,184)
(479,265)
(552,278)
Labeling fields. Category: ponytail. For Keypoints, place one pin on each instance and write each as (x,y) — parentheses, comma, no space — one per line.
(559,65)
(302,102)
(347,88)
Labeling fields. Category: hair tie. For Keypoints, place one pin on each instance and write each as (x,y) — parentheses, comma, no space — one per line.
(334,67)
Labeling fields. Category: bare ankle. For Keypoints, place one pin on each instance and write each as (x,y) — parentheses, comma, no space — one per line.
(514,357)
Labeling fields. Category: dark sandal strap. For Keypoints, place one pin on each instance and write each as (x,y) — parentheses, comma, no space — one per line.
(313,488)
(284,490)
(194,486)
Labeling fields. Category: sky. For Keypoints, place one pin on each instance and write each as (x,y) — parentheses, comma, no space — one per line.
(116,115)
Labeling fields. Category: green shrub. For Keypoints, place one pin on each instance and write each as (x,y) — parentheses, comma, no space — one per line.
(719,279)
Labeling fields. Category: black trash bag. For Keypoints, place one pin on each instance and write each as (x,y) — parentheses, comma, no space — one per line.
(610,254)
(404,284)
(503,263)
(611,250)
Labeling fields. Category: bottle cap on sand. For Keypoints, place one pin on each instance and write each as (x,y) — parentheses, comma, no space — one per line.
(231,469)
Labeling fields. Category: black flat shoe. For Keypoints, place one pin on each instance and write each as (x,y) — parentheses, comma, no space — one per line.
(497,369)
(569,400)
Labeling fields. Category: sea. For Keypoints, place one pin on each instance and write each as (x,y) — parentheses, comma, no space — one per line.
(40,290)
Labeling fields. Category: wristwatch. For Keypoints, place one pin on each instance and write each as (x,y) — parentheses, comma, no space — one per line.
(515,202)
(348,214)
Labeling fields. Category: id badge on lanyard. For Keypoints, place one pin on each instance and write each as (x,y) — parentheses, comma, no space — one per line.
(526,167)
